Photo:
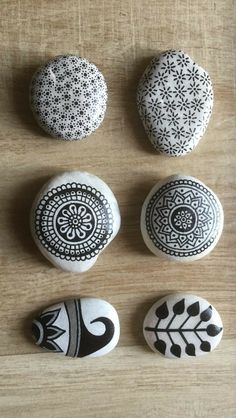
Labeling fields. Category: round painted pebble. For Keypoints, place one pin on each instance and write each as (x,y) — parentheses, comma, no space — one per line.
(182,219)
(68,97)
(73,218)
(182,325)
(86,327)
(175,100)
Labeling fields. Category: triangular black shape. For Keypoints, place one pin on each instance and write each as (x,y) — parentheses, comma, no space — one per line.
(206,314)
(162,311)
(205,346)
(90,343)
(160,345)
(176,350)
(213,330)
(190,349)
(194,309)
(179,307)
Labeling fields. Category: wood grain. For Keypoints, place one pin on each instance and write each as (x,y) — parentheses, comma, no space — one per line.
(120,37)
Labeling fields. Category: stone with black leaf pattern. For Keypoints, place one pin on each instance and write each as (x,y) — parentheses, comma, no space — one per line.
(182,325)
(86,327)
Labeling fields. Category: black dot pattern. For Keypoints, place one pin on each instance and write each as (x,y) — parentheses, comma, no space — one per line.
(68,97)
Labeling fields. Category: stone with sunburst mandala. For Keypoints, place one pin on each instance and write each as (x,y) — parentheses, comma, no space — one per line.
(181,219)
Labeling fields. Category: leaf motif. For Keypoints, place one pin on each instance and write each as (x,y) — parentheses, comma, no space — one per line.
(160,345)
(162,311)
(205,346)
(190,349)
(194,309)
(213,330)
(176,350)
(207,314)
(179,307)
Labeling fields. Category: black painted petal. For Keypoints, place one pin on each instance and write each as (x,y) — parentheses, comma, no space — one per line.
(162,311)
(194,309)
(190,350)
(207,314)
(213,330)
(160,345)
(179,307)
(205,346)
(176,350)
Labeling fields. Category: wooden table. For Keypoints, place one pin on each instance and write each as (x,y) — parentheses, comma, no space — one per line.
(120,37)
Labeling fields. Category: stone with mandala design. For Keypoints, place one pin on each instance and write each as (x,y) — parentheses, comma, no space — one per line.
(182,219)
(175,100)
(73,218)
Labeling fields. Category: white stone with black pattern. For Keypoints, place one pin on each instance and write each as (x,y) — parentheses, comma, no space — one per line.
(68,97)
(73,218)
(175,100)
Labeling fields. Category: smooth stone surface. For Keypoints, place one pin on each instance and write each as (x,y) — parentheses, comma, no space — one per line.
(68,97)
(86,327)
(175,100)
(73,218)
(182,325)
(182,219)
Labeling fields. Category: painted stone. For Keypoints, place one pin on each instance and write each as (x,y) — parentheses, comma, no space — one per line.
(86,327)
(182,325)
(68,97)
(73,218)
(182,219)
(175,100)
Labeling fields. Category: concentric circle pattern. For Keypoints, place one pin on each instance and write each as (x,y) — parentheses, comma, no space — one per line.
(182,218)
(73,221)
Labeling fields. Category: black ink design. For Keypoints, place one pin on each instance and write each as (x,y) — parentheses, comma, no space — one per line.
(68,97)
(185,332)
(45,333)
(182,218)
(80,342)
(73,221)
(90,343)
(182,93)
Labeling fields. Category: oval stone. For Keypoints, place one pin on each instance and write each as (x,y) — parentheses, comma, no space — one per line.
(175,100)
(182,325)
(86,327)
(68,97)
(73,218)
(182,219)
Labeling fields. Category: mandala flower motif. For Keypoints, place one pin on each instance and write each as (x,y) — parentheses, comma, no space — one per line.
(193,73)
(168,67)
(189,118)
(183,60)
(179,76)
(197,104)
(45,332)
(194,89)
(183,219)
(183,104)
(75,222)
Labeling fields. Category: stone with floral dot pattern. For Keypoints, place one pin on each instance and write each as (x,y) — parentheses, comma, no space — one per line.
(73,218)
(68,97)
(175,100)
